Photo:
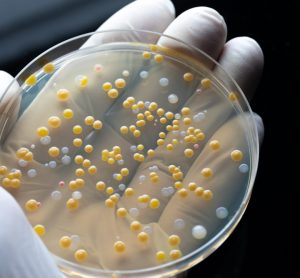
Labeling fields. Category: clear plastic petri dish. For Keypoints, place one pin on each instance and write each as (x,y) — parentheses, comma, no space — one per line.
(132,153)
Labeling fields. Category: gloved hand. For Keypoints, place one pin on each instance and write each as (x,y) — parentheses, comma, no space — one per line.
(22,254)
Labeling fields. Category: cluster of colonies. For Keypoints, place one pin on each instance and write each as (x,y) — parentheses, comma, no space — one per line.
(146,114)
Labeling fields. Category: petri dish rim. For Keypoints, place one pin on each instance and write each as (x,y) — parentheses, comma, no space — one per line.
(199,254)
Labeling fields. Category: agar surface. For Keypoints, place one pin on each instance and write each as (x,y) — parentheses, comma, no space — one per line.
(129,155)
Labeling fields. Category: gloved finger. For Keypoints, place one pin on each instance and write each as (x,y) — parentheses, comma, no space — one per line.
(9,103)
(140,15)
(243,59)
(260,127)
(201,27)
(22,253)
(227,184)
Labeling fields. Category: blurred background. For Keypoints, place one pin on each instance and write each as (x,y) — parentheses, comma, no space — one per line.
(264,241)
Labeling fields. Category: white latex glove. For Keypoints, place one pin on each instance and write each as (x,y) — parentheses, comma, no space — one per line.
(22,254)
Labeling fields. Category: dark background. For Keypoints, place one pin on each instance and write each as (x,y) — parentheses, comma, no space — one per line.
(264,241)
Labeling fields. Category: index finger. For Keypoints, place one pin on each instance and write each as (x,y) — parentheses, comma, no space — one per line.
(139,15)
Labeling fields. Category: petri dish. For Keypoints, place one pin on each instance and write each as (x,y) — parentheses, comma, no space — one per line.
(131,153)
